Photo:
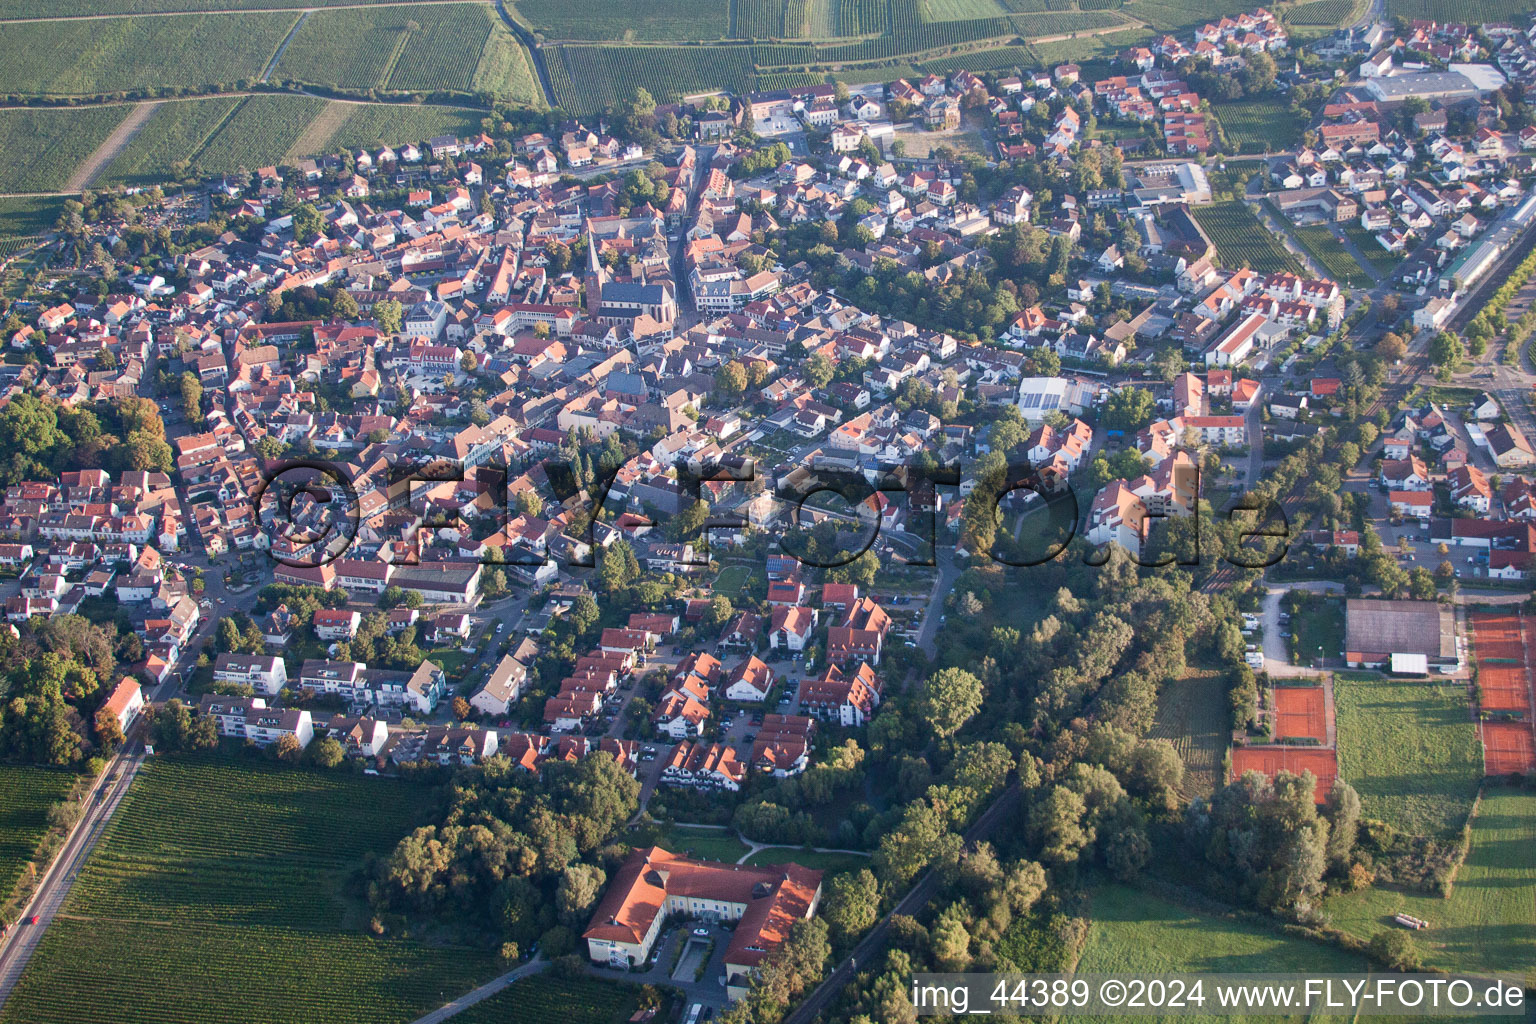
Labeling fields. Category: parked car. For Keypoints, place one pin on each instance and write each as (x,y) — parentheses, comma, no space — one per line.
(701,932)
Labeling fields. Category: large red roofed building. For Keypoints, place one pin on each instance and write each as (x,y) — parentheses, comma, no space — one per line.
(654,885)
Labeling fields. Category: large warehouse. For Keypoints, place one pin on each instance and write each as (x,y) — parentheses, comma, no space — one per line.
(1376,630)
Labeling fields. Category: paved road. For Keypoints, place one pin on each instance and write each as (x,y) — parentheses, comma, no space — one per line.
(17,948)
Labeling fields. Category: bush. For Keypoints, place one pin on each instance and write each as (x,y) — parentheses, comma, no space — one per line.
(1395,950)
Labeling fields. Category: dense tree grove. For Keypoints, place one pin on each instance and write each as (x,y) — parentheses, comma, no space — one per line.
(513,855)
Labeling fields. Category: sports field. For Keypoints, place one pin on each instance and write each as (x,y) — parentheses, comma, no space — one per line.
(1323,764)
(1301,713)
(216,881)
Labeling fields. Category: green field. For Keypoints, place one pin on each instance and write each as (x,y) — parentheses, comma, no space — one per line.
(1261,125)
(589,78)
(346,49)
(1488,924)
(260,132)
(1328,13)
(657,20)
(375,125)
(1319,242)
(50,8)
(216,880)
(459,48)
(832,863)
(40,147)
(1086,48)
(1241,241)
(1192,715)
(1410,749)
(26,793)
(443,54)
(197,52)
(1171,15)
(506,70)
(173,132)
(998,59)
(1135,932)
(542,999)
(960,10)
(269,129)
(1473,11)
(23,216)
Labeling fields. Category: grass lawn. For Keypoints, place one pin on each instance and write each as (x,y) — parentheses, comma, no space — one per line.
(544,999)
(1488,924)
(1317,625)
(704,843)
(1410,749)
(1192,713)
(1135,932)
(832,863)
(732,579)
(217,879)
(26,793)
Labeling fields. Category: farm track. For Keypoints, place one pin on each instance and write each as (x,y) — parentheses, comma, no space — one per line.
(293,30)
(111,148)
(535,53)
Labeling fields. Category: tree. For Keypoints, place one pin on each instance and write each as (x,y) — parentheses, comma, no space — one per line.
(580,887)
(1391,347)
(731,380)
(949,699)
(1446,352)
(327,752)
(818,370)
(109,731)
(1395,950)
(530,503)
(468,362)
(389,315)
(1129,409)
(852,903)
(1343,824)
(462,709)
(720,611)
(287,748)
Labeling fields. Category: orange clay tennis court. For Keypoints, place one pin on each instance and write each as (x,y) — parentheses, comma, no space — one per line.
(1508,747)
(1300,713)
(1323,764)
(1504,651)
